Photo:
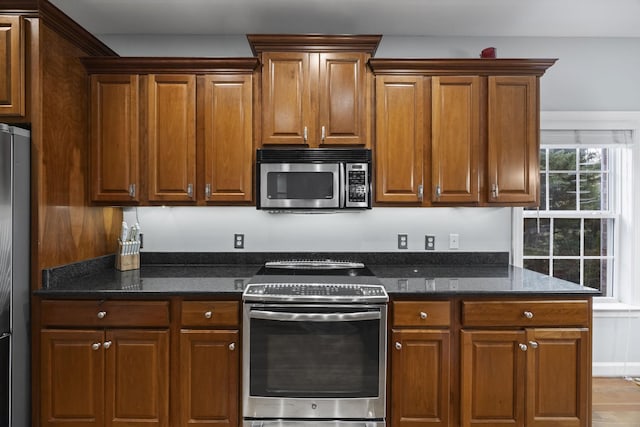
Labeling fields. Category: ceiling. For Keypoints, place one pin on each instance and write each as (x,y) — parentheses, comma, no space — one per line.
(490,18)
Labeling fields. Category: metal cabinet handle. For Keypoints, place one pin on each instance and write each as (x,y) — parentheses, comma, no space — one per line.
(208,314)
(494,191)
(523,347)
(438,191)
(207,191)
(533,344)
(528,314)
(190,190)
(107,344)
(420,192)
(305,134)
(132,190)
(102,314)
(398,346)
(95,346)
(232,346)
(423,315)
(323,134)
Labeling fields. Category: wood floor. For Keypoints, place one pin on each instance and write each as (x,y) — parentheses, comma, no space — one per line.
(616,403)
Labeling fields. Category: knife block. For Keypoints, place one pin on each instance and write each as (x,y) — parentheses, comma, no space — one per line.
(127,262)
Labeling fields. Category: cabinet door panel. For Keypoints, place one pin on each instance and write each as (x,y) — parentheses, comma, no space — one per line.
(558,372)
(455,139)
(72,378)
(286,98)
(492,384)
(513,145)
(172,137)
(114,138)
(12,80)
(420,378)
(228,138)
(209,372)
(342,96)
(137,378)
(400,118)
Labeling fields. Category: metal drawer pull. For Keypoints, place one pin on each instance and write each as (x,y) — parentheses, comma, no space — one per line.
(423,315)
(528,314)
(304,134)
(208,314)
(324,134)
(95,346)
(190,190)
(232,346)
(398,346)
(207,191)
(102,314)
(107,344)
(523,347)
(533,344)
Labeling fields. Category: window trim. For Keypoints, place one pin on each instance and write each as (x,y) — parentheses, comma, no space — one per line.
(626,288)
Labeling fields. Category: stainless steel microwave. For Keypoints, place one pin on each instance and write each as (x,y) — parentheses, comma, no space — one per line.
(313,178)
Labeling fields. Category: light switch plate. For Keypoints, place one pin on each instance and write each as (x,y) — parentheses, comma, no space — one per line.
(454,241)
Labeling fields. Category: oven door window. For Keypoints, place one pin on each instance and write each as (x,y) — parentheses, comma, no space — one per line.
(315,359)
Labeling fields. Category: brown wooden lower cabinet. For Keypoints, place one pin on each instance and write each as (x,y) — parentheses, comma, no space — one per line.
(532,378)
(209,377)
(104,378)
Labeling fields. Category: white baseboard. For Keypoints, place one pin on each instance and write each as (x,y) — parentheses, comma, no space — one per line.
(616,369)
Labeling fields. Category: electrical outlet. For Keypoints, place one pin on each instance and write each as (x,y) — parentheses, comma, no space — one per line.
(238,241)
(429,242)
(454,241)
(403,241)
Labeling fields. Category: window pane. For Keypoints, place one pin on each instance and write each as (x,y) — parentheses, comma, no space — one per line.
(562,159)
(543,160)
(566,237)
(539,265)
(562,191)
(591,192)
(591,159)
(595,237)
(567,269)
(543,192)
(595,273)
(536,243)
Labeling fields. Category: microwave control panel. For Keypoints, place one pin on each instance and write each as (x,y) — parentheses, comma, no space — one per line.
(357,185)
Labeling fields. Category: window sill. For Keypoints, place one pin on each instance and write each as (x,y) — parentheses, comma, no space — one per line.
(615,309)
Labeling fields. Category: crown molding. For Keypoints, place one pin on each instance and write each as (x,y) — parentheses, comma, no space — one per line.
(438,67)
(156,65)
(313,43)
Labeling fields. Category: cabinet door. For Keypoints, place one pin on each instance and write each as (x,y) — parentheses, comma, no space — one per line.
(209,377)
(12,80)
(71,378)
(287,116)
(400,138)
(455,139)
(115,148)
(172,137)
(420,370)
(342,96)
(513,145)
(228,122)
(137,378)
(492,383)
(558,377)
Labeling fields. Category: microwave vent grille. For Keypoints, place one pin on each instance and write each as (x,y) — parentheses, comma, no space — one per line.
(320,155)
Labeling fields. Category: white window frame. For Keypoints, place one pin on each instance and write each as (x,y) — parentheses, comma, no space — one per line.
(626,288)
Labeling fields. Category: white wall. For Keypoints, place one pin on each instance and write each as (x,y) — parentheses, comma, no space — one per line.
(211,229)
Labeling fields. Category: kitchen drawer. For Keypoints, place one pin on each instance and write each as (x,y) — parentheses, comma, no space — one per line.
(210,313)
(104,313)
(421,313)
(525,313)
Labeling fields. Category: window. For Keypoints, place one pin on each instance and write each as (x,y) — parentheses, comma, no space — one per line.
(583,230)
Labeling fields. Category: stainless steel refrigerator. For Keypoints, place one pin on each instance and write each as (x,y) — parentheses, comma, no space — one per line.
(15,358)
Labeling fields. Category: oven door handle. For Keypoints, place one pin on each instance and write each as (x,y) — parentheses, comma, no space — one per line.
(313,317)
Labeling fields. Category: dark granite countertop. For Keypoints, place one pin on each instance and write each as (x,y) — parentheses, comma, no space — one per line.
(217,275)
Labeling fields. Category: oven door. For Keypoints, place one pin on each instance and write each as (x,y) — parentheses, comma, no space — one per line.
(301,186)
(314,361)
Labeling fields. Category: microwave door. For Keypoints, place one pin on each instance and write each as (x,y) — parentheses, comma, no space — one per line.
(300,185)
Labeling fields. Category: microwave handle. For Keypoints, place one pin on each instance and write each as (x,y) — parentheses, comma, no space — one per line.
(344,186)
(313,317)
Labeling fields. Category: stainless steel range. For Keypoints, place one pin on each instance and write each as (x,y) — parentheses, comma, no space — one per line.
(314,340)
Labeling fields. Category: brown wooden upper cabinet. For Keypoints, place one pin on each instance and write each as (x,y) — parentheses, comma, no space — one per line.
(470,137)
(171,130)
(12,57)
(316,90)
